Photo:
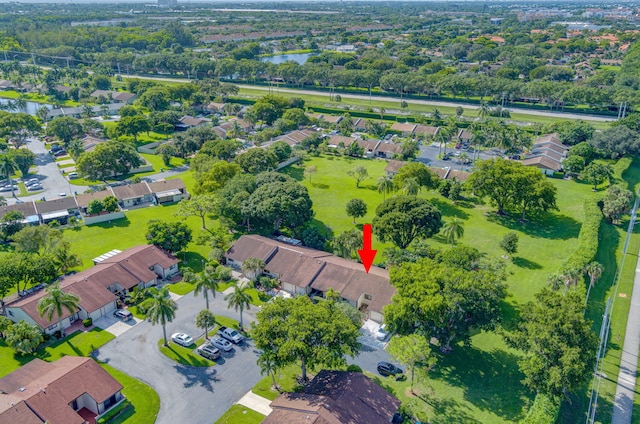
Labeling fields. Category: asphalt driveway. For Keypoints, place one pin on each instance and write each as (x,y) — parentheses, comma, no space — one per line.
(187,394)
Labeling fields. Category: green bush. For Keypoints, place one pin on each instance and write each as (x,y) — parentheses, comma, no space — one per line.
(588,237)
(354,368)
(87,322)
(543,411)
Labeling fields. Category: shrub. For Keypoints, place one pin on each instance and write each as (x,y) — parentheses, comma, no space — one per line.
(587,239)
(87,322)
(543,411)
(354,368)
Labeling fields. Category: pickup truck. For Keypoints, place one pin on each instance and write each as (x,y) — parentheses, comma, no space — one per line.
(230,334)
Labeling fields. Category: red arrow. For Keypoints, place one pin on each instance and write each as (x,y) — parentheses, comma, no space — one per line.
(367,255)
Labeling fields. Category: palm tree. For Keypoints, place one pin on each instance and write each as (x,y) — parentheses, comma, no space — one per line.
(385,185)
(162,309)
(594,270)
(206,282)
(411,187)
(453,230)
(205,319)
(570,277)
(252,268)
(7,167)
(239,298)
(54,301)
(442,137)
(484,110)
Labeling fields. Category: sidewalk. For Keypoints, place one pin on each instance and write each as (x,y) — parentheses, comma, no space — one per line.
(255,402)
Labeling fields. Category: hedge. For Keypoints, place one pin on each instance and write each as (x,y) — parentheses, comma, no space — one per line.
(543,411)
(588,237)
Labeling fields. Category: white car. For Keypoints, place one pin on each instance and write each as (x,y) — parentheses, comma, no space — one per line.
(183,339)
(222,344)
(382,333)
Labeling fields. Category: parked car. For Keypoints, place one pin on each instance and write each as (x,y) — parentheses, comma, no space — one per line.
(59,153)
(73,175)
(123,315)
(62,194)
(183,339)
(209,352)
(222,344)
(32,181)
(382,333)
(35,187)
(230,334)
(387,368)
(8,188)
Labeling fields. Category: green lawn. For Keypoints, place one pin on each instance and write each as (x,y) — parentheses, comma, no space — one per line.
(144,400)
(184,355)
(286,378)
(79,344)
(239,414)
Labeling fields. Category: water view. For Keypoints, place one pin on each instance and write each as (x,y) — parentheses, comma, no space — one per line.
(301,58)
(31,107)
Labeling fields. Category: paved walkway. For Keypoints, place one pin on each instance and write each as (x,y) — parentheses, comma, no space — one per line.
(255,402)
(625,392)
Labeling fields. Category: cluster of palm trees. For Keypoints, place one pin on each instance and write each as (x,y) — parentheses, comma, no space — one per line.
(571,277)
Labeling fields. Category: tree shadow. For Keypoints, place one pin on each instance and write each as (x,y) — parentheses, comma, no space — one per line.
(450,411)
(198,376)
(295,172)
(483,376)
(447,209)
(521,262)
(510,313)
(550,226)
(194,260)
(320,186)
(114,223)
(632,174)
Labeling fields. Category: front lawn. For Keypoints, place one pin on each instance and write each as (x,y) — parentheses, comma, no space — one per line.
(184,355)
(240,414)
(144,400)
(286,378)
(80,343)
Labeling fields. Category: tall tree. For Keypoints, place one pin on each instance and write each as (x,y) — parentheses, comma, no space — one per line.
(596,173)
(252,268)
(356,208)
(558,343)
(385,185)
(162,309)
(594,270)
(403,218)
(206,320)
(200,205)
(437,299)
(359,173)
(413,351)
(64,128)
(24,159)
(239,299)
(452,230)
(292,330)
(170,236)
(53,303)
(347,243)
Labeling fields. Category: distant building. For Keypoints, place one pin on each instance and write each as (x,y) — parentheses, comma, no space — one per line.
(167,3)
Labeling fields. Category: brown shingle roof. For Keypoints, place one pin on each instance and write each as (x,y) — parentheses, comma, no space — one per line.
(191,121)
(368,146)
(543,162)
(122,96)
(335,397)
(49,388)
(389,148)
(131,191)
(165,185)
(142,258)
(62,204)
(458,175)
(27,209)
(404,127)
(426,129)
(84,199)
(335,140)
(394,165)
(304,267)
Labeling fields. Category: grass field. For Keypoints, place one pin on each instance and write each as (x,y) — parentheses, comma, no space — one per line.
(79,343)
(239,414)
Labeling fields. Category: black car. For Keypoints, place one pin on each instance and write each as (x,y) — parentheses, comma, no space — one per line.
(387,368)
